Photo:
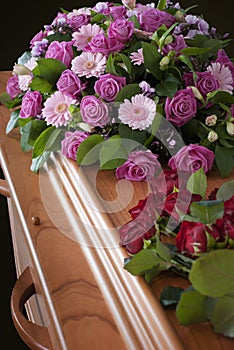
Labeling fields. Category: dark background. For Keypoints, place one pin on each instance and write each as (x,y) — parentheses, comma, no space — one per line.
(18,25)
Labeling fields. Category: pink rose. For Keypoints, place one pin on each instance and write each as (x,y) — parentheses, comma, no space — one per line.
(121,29)
(94,111)
(105,45)
(78,21)
(181,108)
(140,166)
(206,82)
(71,143)
(70,84)
(31,104)
(115,11)
(108,86)
(192,158)
(61,51)
(152,19)
(12,87)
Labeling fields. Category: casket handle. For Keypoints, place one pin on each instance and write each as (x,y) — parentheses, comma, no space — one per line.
(35,336)
(4,189)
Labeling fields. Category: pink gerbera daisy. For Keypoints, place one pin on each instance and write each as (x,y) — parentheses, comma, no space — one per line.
(223,75)
(85,34)
(56,109)
(89,64)
(137,57)
(139,113)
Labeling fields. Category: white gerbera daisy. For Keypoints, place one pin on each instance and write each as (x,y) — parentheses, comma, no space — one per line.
(139,113)
(223,75)
(89,64)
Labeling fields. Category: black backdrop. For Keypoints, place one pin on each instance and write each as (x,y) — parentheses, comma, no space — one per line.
(19,24)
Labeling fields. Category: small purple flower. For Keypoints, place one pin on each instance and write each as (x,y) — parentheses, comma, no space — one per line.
(38,37)
(70,84)
(108,86)
(140,166)
(121,29)
(39,48)
(31,104)
(181,108)
(12,87)
(105,45)
(93,111)
(71,143)
(177,44)
(61,51)
(152,19)
(192,158)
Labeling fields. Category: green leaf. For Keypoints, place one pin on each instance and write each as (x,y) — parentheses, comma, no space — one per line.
(25,131)
(190,308)
(110,65)
(127,92)
(170,296)
(197,183)
(39,161)
(4,98)
(163,251)
(128,133)
(13,121)
(161,4)
(40,143)
(50,69)
(167,87)
(37,127)
(88,152)
(207,211)
(41,85)
(143,261)
(213,273)
(222,317)
(151,59)
(224,159)
(112,153)
(194,50)
(220,96)
(226,191)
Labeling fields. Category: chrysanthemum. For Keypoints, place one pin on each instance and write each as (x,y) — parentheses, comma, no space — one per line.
(85,34)
(56,109)
(89,64)
(137,57)
(223,75)
(139,113)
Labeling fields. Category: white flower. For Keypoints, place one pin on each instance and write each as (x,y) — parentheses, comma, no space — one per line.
(26,79)
(89,64)
(139,113)
(223,75)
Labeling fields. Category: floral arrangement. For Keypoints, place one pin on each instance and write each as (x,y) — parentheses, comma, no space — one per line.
(146,91)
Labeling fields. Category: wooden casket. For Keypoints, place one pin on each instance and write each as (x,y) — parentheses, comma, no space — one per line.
(77,295)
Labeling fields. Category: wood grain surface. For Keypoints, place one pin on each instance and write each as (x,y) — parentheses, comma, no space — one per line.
(91,301)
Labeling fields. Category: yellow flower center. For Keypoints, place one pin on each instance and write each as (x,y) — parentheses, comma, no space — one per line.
(61,107)
(89,64)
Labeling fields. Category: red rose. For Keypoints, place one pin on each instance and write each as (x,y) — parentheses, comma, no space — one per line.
(134,232)
(192,238)
(148,206)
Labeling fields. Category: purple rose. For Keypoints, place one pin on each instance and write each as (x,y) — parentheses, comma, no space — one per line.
(192,158)
(94,111)
(70,84)
(105,45)
(12,87)
(61,51)
(121,29)
(152,19)
(115,12)
(140,166)
(181,108)
(77,21)
(177,44)
(31,104)
(71,142)
(108,86)
(206,82)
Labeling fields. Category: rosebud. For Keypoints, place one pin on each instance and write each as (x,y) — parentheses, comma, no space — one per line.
(211,120)
(212,136)
(168,40)
(20,69)
(230,128)
(164,63)
(131,4)
(196,92)
(179,15)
